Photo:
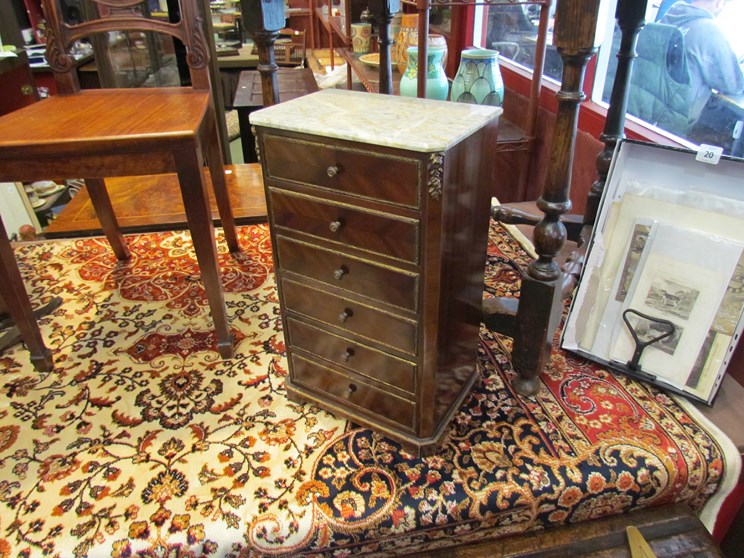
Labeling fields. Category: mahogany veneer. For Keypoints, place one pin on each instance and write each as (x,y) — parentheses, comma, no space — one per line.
(380,257)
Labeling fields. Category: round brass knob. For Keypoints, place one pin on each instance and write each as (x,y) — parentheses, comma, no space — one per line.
(340,272)
(345,315)
(335,225)
(333,171)
(351,389)
(347,354)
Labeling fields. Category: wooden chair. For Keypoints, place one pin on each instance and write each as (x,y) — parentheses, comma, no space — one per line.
(129,132)
(292,53)
(14,299)
(533,320)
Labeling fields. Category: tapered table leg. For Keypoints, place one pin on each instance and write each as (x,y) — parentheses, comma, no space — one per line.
(219,185)
(189,166)
(16,300)
(105,212)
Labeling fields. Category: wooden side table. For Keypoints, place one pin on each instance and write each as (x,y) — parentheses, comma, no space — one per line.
(292,82)
(231,66)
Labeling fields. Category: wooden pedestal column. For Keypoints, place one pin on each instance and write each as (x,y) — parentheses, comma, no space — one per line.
(262,20)
(540,303)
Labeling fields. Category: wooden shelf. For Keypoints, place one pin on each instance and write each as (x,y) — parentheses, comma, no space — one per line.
(368,75)
(160,205)
(332,24)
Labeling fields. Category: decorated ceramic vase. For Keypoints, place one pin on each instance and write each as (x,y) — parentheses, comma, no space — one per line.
(361,37)
(394,32)
(478,79)
(437,85)
(438,41)
(407,36)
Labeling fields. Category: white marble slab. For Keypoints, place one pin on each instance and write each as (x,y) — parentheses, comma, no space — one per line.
(401,122)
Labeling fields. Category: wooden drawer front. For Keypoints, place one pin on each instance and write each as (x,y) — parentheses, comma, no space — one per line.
(373,232)
(355,172)
(339,270)
(350,316)
(353,355)
(352,393)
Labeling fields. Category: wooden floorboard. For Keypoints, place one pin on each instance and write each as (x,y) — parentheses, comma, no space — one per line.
(153,203)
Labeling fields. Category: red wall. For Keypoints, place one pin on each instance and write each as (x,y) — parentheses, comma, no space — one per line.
(587,144)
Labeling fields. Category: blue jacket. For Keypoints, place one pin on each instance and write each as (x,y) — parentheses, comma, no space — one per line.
(711,60)
(659,90)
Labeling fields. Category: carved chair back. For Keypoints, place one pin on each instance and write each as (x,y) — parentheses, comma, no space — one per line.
(104,16)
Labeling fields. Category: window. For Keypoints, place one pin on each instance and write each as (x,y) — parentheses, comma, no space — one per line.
(668,94)
(512,29)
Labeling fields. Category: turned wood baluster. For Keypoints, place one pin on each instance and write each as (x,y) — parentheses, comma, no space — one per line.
(630,20)
(262,20)
(267,66)
(383,11)
(540,302)
(630,16)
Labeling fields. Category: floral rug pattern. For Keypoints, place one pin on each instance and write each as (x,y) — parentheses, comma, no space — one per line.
(143,443)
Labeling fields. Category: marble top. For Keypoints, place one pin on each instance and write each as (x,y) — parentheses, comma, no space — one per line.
(401,122)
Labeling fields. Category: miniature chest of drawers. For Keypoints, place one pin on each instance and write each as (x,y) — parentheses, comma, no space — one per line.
(379,209)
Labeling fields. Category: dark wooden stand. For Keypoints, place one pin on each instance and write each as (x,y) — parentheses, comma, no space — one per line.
(383,11)
(630,19)
(263,19)
(533,322)
(290,82)
(540,301)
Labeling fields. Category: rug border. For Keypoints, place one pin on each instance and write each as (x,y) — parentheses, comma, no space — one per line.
(732,457)
(732,467)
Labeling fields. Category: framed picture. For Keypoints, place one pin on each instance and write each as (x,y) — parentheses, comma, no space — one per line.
(661,294)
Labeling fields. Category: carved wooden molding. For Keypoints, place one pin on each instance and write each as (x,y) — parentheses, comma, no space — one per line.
(255,137)
(123,15)
(56,58)
(198,55)
(113,15)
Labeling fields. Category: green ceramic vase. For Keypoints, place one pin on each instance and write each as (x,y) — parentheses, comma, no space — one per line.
(437,85)
(478,79)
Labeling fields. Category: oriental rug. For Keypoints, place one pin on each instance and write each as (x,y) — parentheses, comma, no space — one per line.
(143,442)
